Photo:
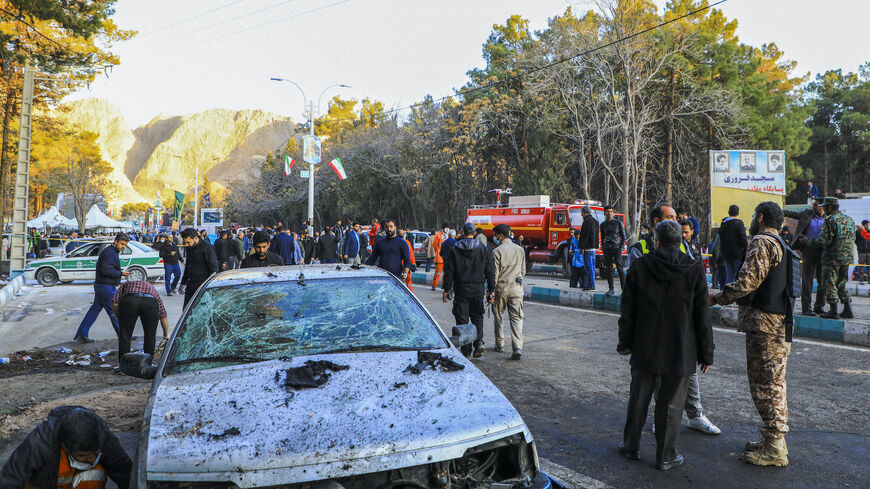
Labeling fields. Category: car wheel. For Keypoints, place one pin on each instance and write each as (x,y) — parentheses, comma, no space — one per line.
(47,277)
(137,275)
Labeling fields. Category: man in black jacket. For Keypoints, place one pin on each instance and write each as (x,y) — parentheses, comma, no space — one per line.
(809,222)
(201,263)
(588,244)
(222,250)
(171,259)
(732,238)
(613,238)
(72,443)
(108,277)
(665,326)
(327,247)
(262,257)
(469,266)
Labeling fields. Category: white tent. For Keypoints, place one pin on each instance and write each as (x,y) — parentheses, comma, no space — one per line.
(96,219)
(51,219)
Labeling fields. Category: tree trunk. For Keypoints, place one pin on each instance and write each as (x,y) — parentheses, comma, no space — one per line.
(669,144)
(5,164)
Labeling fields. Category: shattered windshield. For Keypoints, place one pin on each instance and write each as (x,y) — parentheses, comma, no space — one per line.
(284,319)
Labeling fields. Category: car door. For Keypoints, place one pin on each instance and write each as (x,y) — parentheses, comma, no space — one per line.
(76,264)
(126,257)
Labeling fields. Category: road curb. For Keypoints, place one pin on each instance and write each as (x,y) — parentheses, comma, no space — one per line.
(9,290)
(843,331)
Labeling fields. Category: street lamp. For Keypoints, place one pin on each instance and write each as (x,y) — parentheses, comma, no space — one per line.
(311,116)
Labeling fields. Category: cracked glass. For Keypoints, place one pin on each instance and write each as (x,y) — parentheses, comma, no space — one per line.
(285,319)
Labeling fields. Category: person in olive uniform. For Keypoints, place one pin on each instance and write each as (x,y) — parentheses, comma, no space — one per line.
(837,239)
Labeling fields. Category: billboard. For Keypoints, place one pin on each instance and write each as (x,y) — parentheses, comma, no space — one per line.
(746,178)
(212,217)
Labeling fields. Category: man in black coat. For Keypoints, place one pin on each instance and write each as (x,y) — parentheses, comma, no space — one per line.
(810,223)
(732,239)
(588,245)
(327,247)
(73,441)
(469,266)
(665,326)
(262,257)
(202,263)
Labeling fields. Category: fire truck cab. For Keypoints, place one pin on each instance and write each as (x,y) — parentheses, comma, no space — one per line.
(546,227)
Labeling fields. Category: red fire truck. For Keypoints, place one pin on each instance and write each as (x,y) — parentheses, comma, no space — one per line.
(546,228)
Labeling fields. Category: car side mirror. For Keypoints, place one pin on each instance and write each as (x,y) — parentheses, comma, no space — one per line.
(464,334)
(138,365)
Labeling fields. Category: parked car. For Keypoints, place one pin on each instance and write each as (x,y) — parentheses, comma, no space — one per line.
(139,259)
(319,377)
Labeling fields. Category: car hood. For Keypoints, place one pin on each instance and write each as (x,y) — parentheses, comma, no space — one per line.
(242,422)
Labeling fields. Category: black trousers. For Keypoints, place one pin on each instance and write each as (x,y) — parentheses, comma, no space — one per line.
(134,308)
(670,401)
(467,309)
(611,259)
(577,274)
(189,290)
(811,268)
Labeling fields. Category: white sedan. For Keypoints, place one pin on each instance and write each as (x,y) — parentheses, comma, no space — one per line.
(143,263)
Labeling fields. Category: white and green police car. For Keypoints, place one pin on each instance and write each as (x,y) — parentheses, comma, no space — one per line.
(143,263)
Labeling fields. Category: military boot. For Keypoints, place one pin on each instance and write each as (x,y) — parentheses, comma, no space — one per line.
(754,446)
(847,311)
(773,451)
(832,313)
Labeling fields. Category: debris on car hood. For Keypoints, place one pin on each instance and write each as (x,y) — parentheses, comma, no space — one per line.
(427,359)
(312,374)
(368,418)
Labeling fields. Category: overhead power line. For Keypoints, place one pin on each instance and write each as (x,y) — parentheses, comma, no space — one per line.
(28,24)
(564,59)
(188,19)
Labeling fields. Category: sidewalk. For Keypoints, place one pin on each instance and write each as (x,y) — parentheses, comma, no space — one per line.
(554,290)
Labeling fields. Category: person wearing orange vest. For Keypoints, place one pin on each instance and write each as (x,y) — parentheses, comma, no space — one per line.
(439,238)
(373,232)
(72,449)
(413,267)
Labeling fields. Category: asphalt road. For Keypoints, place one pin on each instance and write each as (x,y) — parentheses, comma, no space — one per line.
(571,388)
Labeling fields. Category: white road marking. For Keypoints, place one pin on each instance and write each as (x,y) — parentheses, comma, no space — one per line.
(571,478)
(715,328)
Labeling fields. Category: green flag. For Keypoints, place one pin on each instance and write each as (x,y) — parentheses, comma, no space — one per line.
(179,203)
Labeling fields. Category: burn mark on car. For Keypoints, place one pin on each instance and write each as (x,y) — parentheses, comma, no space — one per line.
(312,374)
(226,434)
(427,359)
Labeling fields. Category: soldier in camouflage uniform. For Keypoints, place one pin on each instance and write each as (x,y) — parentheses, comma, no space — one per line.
(837,238)
(767,349)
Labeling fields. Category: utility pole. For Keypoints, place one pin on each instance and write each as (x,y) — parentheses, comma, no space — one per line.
(22,176)
(311,174)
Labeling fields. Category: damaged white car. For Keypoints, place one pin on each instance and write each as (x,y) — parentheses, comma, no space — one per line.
(323,377)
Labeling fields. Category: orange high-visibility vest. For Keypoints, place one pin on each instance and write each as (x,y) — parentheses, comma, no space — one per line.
(70,478)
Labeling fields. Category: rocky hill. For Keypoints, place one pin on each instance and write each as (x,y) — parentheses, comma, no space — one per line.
(162,155)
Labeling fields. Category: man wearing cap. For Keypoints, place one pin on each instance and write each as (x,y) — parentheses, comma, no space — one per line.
(468,267)
(509,261)
(837,239)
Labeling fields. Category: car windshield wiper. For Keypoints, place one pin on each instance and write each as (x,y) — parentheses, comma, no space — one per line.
(353,348)
(222,358)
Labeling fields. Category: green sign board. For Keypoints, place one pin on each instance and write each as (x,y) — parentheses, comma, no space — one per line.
(304,173)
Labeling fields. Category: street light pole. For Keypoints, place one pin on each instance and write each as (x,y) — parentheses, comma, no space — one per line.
(196,197)
(311,115)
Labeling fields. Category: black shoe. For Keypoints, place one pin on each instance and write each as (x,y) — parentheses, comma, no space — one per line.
(478,352)
(609,292)
(678,460)
(847,311)
(498,349)
(832,313)
(627,453)
(819,310)
(517,354)
(808,313)
(82,339)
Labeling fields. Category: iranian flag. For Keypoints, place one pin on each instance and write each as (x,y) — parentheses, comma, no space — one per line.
(288,165)
(338,168)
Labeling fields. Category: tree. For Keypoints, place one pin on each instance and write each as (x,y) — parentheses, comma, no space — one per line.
(67,160)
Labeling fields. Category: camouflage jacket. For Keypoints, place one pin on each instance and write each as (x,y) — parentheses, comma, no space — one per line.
(837,238)
(763,254)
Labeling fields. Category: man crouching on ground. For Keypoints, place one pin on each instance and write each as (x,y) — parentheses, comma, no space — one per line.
(72,449)
(665,326)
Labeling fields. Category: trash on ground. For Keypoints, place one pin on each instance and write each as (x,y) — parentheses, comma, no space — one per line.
(64,350)
(427,359)
(104,354)
(4,360)
(26,358)
(49,311)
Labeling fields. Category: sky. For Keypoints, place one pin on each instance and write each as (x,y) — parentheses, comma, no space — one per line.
(193,55)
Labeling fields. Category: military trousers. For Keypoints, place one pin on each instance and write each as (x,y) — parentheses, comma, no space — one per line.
(766,359)
(834,277)
(510,298)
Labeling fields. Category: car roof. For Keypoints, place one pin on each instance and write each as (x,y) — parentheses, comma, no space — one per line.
(293,272)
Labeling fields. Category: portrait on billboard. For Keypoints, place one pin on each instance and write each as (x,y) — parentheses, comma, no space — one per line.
(775,163)
(747,162)
(720,162)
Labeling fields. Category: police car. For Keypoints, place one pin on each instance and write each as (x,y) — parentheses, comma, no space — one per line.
(143,263)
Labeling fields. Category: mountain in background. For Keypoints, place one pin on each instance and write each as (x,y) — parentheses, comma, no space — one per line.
(162,155)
